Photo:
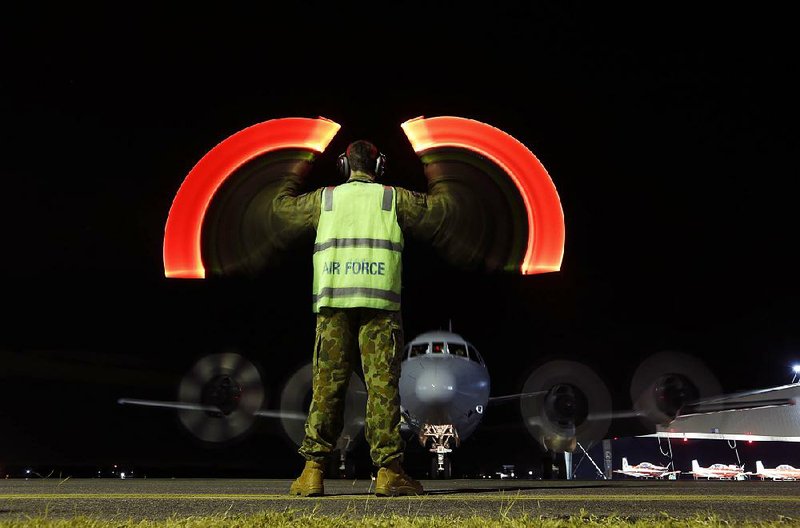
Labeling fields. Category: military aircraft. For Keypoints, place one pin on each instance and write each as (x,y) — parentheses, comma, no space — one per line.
(717,471)
(781,472)
(646,470)
(444,393)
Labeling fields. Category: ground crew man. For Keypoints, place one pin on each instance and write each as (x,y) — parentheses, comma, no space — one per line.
(356,296)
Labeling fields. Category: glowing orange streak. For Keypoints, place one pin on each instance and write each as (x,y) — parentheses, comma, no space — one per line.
(545,249)
(182,257)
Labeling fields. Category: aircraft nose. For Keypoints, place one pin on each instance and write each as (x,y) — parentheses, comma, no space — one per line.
(435,386)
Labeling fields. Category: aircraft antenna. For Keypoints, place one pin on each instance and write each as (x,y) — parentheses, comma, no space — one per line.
(450,325)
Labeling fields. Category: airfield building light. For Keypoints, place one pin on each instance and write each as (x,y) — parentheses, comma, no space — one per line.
(796,370)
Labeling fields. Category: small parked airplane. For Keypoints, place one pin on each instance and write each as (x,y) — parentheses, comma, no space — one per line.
(646,470)
(718,471)
(782,472)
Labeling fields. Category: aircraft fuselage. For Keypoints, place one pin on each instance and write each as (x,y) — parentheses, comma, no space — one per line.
(443,381)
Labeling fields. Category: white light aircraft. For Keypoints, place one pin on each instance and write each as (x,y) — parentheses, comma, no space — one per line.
(718,471)
(781,472)
(647,470)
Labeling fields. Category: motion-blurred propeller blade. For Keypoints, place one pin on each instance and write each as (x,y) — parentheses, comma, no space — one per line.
(296,398)
(230,385)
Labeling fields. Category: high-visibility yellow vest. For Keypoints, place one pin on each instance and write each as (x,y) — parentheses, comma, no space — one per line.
(358,248)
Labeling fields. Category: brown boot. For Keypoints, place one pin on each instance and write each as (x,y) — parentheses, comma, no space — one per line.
(309,483)
(393,481)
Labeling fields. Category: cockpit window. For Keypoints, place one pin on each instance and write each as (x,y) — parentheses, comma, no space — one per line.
(474,356)
(437,348)
(457,349)
(418,350)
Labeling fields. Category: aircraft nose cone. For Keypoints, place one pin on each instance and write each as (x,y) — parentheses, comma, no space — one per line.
(435,386)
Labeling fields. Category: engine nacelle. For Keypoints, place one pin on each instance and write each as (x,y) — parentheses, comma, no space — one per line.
(573,405)
(666,382)
(565,408)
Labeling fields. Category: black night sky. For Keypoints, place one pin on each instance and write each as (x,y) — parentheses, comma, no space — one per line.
(669,131)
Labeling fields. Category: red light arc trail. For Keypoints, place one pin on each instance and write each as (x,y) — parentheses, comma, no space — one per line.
(182,233)
(545,248)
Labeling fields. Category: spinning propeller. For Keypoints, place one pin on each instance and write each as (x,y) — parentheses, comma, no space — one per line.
(570,405)
(669,383)
(222,395)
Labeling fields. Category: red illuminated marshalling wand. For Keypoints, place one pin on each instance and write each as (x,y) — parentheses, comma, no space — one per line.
(545,248)
(182,256)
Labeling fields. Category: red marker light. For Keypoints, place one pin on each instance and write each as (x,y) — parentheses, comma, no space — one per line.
(545,245)
(182,234)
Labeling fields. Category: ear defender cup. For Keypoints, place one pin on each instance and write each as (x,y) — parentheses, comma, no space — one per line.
(380,165)
(343,165)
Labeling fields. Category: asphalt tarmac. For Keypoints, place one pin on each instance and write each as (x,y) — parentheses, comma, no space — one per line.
(152,499)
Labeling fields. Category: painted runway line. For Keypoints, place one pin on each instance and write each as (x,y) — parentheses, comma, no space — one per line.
(362,496)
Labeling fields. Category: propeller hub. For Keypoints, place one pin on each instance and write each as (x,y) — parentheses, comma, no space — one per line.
(223,392)
(673,391)
(566,405)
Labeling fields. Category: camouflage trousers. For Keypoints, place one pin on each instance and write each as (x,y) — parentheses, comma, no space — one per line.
(341,334)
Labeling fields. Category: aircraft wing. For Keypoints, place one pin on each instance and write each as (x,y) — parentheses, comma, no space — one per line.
(764,415)
(514,397)
(189,406)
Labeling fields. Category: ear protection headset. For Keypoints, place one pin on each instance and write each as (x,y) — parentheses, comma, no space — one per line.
(343,164)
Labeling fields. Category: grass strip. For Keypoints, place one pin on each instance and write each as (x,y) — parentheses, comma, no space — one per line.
(287,519)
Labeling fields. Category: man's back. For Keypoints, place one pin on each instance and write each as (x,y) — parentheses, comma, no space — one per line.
(358,248)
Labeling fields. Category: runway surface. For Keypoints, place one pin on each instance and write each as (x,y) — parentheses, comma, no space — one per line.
(153,499)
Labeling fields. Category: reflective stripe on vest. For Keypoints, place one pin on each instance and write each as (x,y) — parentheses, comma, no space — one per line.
(358,248)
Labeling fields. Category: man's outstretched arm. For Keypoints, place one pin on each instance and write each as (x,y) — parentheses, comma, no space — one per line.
(294,215)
